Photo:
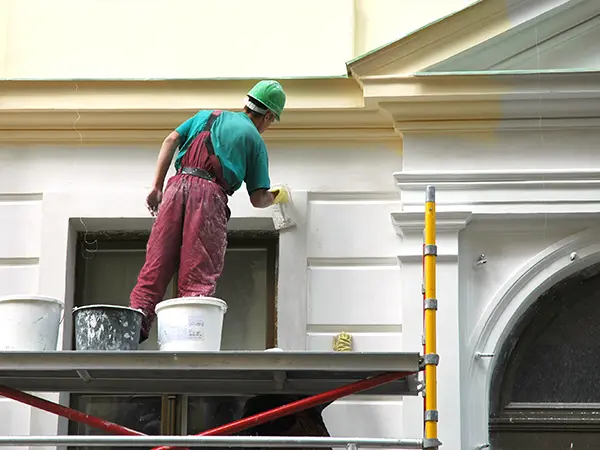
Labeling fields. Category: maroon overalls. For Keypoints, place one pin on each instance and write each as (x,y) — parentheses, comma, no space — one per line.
(190,231)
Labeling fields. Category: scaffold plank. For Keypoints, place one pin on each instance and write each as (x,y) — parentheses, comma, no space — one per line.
(205,373)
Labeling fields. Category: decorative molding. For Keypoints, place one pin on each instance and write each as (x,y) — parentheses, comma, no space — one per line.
(116,136)
(117,117)
(303,94)
(482,179)
(103,111)
(410,225)
(354,196)
(107,112)
(413,222)
(315,263)
(516,222)
(461,126)
(506,191)
(19,261)
(485,99)
(21,197)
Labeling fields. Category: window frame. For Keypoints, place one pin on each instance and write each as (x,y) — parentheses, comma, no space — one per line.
(174,408)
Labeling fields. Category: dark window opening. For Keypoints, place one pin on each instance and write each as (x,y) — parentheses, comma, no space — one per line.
(545,386)
(106,270)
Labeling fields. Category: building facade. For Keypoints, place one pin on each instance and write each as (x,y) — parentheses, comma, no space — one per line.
(496,105)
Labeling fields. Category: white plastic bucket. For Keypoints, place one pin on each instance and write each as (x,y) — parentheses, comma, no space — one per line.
(190,324)
(29,322)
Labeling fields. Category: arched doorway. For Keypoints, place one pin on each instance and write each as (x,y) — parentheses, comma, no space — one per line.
(545,390)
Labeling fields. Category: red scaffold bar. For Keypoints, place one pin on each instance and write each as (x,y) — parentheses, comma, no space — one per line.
(231,428)
(71,414)
(300,405)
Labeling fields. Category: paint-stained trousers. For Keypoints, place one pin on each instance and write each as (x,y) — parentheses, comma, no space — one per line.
(189,234)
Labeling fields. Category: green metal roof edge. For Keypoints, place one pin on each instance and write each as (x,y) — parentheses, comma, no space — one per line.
(507,72)
(375,50)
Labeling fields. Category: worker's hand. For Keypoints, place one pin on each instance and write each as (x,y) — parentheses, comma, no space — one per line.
(153,200)
(281,194)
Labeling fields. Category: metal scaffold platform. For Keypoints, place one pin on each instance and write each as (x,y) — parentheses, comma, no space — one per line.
(319,378)
(214,373)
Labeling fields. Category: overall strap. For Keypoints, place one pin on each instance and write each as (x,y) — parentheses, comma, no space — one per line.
(207,127)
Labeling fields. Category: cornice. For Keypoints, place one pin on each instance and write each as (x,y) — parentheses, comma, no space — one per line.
(112,135)
(487,100)
(162,95)
(331,109)
(90,112)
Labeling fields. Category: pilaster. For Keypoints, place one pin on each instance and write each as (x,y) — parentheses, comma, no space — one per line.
(409,225)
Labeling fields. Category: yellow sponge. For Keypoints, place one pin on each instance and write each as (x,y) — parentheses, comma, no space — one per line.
(342,342)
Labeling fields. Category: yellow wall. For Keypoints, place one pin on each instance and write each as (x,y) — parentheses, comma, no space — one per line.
(103,39)
(378,22)
(177,38)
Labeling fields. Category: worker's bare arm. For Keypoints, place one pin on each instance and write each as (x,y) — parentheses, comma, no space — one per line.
(165,157)
(262,198)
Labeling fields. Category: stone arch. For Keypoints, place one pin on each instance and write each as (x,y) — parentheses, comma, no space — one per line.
(514,298)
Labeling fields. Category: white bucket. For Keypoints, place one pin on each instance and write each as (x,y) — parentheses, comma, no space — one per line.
(190,324)
(29,322)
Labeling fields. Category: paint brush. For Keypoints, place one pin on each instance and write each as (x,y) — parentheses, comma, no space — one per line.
(283,216)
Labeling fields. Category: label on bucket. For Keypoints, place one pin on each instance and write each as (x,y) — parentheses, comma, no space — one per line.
(196,327)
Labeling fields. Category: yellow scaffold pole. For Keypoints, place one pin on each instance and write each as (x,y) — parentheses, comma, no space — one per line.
(430,357)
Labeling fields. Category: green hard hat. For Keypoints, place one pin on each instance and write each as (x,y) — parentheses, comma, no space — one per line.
(271,94)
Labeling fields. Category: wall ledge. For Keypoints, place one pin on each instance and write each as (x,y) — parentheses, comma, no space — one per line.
(413,222)
(568,191)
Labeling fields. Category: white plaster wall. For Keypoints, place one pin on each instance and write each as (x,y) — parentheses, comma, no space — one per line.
(508,149)
(544,194)
(338,268)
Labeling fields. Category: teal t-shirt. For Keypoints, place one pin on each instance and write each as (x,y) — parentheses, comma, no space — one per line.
(238,145)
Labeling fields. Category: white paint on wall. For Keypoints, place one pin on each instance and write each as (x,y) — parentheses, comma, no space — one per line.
(366,417)
(18,276)
(354,295)
(361,228)
(106,187)
(527,191)
(20,230)
(538,148)
(348,253)
(15,420)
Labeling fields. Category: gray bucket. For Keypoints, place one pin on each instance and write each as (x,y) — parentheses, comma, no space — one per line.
(107,327)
